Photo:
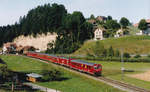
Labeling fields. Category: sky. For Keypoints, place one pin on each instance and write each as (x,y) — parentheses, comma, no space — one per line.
(134,10)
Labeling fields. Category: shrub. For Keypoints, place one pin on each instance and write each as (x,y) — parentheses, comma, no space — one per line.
(148,55)
(51,75)
(126,55)
(137,56)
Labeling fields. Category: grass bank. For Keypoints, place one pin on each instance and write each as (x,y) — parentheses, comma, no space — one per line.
(130,44)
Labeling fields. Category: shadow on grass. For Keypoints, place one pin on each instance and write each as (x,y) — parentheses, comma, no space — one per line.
(2,62)
(18,88)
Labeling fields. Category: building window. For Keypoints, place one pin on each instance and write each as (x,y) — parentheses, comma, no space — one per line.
(96,32)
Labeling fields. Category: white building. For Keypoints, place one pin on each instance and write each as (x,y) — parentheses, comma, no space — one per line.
(119,33)
(98,34)
(4,50)
(139,33)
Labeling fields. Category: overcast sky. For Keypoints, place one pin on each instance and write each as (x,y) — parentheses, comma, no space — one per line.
(134,10)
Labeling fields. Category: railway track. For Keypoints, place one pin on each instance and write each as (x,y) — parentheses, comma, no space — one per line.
(123,86)
(114,83)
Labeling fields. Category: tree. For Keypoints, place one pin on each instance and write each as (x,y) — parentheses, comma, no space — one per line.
(98,49)
(137,56)
(111,26)
(111,52)
(142,25)
(51,75)
(117,54)
(5,73)
(109,18)
(126,55)
(92,16)
(124,22)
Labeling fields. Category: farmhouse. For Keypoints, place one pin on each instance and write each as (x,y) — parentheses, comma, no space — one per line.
(119,33)
(98,34)
(9,47)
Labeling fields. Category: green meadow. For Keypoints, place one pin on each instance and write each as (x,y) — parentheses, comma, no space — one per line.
(73,82)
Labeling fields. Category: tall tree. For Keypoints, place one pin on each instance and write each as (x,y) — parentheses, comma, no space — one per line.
(124,22)
(109,18)
(92,16)
(142,25)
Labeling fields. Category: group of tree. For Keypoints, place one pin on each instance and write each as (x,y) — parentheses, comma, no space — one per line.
(111,26)
(99,51)
(50,73)
(5,74)
(72,29)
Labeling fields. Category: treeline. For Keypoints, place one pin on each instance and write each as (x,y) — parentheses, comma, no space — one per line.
(42,19)
(72,29)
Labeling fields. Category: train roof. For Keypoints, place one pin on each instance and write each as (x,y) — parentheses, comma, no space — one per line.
(83,62)
(63,57)
(45,54)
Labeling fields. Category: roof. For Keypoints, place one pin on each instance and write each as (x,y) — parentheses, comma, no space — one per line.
(44,54)
(101,18)
(148,20)
(64,57)
(83,62)
(34,75)
(92,21)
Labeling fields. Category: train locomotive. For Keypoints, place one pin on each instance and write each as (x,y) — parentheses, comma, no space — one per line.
(80,65)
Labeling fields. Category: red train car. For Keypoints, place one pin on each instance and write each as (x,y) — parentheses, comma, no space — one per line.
(91,68)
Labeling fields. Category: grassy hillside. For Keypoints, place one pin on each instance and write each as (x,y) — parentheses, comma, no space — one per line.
(130,44)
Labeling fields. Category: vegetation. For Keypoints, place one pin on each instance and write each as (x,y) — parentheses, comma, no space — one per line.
(129,44)
(71,82)
(137,56)
(124,22)
(50,74)
(142,25)
(126,55)
(111,27)
(5,74)
(72,29)
(113,70)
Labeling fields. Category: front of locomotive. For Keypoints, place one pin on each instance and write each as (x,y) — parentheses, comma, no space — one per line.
(97,69)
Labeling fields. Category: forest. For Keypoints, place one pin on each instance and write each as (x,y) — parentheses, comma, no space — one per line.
(72,29)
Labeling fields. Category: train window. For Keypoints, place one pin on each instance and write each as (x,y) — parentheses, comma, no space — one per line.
(97,67)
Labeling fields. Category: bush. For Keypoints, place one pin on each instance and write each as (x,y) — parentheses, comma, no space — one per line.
(148,55)
(126,55)
(51,75)
(137,56)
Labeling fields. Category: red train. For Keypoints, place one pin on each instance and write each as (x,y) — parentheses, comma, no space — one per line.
(83,66)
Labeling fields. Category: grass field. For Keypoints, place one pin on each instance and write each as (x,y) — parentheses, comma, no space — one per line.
(130,44)
(113,70)
(73,83)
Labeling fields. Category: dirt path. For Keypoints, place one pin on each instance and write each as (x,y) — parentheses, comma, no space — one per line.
(34,86)
(142,76)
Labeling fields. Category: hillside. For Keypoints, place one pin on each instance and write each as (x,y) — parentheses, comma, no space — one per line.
(39,42)
(130,44)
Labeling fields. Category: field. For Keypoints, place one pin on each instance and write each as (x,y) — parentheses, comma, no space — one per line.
(130,44)
(113,70)
(73,83)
